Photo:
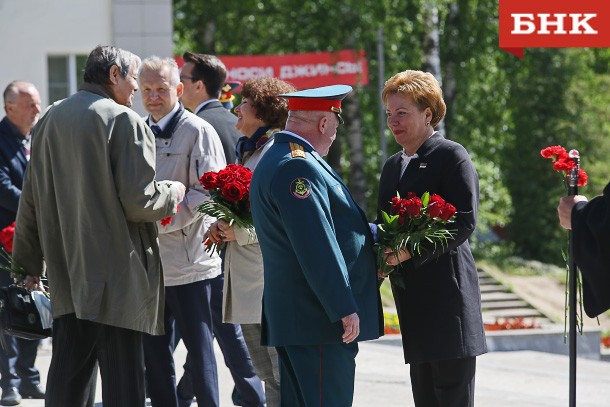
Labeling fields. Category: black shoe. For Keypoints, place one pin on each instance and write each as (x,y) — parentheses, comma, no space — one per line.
(35,391)
(10,397)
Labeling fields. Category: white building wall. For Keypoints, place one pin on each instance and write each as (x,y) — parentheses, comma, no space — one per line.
(145,28)
(31,30)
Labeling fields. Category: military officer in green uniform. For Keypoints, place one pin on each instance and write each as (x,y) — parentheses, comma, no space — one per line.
(320,295)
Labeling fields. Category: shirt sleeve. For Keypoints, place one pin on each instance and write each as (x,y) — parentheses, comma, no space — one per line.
(132,152)
(206,155)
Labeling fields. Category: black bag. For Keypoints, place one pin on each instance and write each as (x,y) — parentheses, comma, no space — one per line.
(19,316)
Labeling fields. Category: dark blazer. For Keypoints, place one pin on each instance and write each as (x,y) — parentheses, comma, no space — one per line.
(223,122)
(591,237)
(317,249)
(440,307)
(12,170)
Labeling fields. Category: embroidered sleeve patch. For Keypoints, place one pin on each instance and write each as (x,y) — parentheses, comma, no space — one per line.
(297,150)
(300,188)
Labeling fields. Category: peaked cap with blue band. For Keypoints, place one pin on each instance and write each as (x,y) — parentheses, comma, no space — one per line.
(326,99)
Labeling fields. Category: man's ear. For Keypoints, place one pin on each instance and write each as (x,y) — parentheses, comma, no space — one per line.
(180,89)
(114,74)
(322,123)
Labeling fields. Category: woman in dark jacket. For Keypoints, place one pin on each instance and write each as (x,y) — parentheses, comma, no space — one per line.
(439,308)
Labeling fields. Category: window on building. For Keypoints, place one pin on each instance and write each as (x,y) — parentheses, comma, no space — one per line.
(65,75)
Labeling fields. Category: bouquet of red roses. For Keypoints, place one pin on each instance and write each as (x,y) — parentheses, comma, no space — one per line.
(230,198)
(411,222)
(6,248)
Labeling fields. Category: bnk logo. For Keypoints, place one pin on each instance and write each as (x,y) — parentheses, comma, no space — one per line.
(553,24)
(545,23)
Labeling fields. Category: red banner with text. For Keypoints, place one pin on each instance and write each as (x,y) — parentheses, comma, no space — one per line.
(553,24)
(306,70)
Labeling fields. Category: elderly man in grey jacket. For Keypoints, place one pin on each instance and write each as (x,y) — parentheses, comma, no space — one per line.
(87,210)
(187,147)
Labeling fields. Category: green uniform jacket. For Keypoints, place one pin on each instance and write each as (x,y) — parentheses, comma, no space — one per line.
(317,249)
(87,209)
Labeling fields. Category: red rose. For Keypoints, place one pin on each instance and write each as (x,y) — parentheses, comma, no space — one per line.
(402,216)
(563,164)
(396,205)
(166,221)
(225,177)
(554,152)
(209,180)
(6,237)
(413,207)
(435,205)
(447,212)
(234,191)
(582,178)
(244,176)
(411,195)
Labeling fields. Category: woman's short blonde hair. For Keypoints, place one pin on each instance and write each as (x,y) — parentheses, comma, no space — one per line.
(422,87)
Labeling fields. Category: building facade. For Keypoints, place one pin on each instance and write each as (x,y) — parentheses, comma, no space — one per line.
(46,42)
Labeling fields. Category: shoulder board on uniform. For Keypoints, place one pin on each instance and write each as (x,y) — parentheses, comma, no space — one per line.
(297,150)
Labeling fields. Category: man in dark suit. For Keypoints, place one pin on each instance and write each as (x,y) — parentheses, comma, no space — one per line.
(320,296)
(203,78)
(590,225)
(22,106)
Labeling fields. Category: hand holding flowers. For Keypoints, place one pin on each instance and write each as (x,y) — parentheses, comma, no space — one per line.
(574,177)
(412,221)
(230,200)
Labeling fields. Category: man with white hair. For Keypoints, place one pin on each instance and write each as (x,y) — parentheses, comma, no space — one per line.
(187,147)
(18,375)
(320,296)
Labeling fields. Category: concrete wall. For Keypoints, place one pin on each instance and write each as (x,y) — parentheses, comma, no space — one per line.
(145,28)
(33,29)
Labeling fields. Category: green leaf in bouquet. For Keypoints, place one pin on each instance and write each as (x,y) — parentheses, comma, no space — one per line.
(425,199)
(7,263)
(220,211)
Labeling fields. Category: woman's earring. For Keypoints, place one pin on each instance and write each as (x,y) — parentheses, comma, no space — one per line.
(427,123)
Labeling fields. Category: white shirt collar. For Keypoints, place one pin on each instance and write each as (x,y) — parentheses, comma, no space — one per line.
(404,161)
(165,119)
(205,103)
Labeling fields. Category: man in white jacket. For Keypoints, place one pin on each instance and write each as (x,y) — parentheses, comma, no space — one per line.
(187,146)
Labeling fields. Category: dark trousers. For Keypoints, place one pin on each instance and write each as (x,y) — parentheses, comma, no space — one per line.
(188,306)
(17,363)
(231,342)
(317,375)
(78,347)
(444,383)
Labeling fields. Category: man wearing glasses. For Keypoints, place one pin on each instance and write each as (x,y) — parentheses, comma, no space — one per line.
(203,77)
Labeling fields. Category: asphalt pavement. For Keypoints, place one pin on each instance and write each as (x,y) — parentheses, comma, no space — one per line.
(504,379)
